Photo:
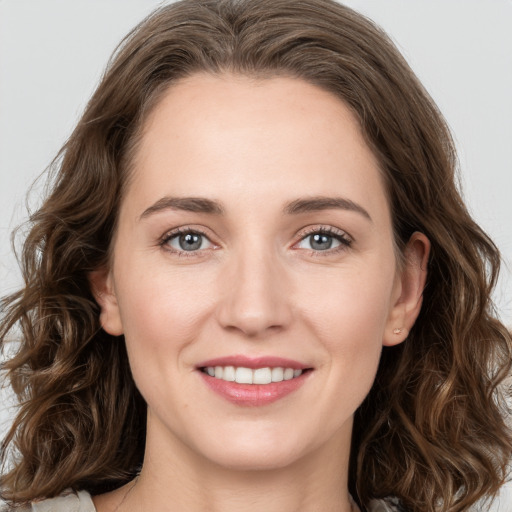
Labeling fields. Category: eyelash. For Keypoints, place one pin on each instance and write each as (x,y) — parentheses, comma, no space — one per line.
(342,237)
(164,241)
(344,240)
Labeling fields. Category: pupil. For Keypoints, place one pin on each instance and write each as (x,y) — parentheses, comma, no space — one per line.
(321,242)
(190,242)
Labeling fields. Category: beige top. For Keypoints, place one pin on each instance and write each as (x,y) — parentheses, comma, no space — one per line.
(82,502)
(67,502)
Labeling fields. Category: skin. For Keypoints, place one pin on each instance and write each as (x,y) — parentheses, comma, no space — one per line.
(255,287)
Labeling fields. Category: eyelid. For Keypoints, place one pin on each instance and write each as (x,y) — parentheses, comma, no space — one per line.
(342,236)
(324,229)
(182,230)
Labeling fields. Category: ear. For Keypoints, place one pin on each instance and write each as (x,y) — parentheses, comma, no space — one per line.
(408,292)
(102,287)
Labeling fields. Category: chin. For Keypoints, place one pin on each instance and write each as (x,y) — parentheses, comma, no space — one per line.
(257,452)
(256,460)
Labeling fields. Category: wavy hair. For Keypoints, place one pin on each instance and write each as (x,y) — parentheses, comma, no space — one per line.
(430,433)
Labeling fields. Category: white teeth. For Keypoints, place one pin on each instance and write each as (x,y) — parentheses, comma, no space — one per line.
(277,374)
(288,374)
(243,375)
(262,376)
(229,373)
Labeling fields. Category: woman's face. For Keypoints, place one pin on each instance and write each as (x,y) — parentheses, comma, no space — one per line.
(254,239)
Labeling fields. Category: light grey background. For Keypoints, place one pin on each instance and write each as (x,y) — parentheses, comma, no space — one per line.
(52,53)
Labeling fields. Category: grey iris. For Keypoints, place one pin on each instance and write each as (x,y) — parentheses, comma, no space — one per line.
(320,242)
(190,241)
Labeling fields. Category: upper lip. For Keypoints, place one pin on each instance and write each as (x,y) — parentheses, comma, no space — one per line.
(254,362)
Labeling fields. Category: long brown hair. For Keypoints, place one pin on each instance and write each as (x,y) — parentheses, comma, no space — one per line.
(431,432)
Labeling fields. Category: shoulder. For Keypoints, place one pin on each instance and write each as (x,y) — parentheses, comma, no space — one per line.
(69,501)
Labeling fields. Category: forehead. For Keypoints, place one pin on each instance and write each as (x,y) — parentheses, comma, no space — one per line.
(254,138)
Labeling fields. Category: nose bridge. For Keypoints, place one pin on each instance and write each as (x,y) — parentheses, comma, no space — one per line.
(254,290)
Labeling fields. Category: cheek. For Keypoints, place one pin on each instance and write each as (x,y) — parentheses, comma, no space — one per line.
(161,312)
(349,304)
(160,321)
(349,321)
(351,330)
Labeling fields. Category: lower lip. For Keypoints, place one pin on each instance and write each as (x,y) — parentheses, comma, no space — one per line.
(254,394)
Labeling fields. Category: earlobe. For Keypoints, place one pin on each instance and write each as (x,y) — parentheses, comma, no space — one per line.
(102,287)
(410,286)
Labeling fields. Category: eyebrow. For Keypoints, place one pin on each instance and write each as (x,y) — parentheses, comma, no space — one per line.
(312,204)
(303,205)
(189,204)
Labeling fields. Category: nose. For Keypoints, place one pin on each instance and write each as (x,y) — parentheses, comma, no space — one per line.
(255,295)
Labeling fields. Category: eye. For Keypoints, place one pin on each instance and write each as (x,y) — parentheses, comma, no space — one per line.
(324,240)
(187,241)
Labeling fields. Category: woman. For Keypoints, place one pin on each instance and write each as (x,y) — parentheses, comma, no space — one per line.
(254,284)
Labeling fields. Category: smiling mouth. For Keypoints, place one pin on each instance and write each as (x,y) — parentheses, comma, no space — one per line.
(243,375)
